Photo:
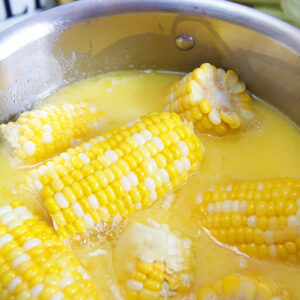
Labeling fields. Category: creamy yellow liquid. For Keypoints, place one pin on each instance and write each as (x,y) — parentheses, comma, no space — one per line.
(271,150)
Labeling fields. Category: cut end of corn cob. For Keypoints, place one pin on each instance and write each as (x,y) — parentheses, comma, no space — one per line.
(42,133)
(116,174)
(259,218)
(241,287)
(215,101)
(35,263)
(158,263)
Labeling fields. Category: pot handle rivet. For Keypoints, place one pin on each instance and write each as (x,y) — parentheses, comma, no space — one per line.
(184,42)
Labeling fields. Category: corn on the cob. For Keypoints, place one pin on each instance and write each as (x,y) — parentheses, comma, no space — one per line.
(241,287)
(260,218)
(42,133)
(159,263)
(124,170)
(215,101)
(35,263)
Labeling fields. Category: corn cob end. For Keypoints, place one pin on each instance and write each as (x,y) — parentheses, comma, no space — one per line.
(215,101)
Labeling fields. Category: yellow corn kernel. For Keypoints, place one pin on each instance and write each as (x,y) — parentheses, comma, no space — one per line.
(215,101)
(78,194)
(139,276)
(238,286)
(148,295)
(205,106)
(40,134)
(34,262)
(149,276)
(152,285)
(158,275)
(206,293)
(145,268)
(264,226)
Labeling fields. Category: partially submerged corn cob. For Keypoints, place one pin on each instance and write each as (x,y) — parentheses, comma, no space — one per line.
(35,263)
(159,264)
(42,133)
(260,218)
(241,287)
(215,101)
(124,170)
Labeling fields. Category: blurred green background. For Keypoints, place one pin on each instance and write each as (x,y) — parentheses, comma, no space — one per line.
(287,10)
(13,11)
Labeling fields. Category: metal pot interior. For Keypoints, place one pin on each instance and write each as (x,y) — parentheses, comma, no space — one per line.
(77,41)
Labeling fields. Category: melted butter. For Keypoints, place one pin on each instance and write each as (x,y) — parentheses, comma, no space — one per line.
(272,150)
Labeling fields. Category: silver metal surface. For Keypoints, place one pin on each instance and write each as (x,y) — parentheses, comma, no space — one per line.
(184,42)
(85,38)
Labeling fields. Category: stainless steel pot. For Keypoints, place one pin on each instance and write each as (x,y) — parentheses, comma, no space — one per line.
(85,38)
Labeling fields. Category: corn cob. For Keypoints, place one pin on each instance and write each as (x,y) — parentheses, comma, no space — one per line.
(35,263)
(259,218)
(160,263)
(124,170)
(241,287)
(215,101)
(42,133)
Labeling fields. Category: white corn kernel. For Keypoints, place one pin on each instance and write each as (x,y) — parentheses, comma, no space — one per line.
(112,155)
(87,146)
(84,158)
(179,166)
(88,220)
(57,296)
(139,139)
(210,208)
(8,218)
(252,221)
(66,282)
(218,207)
(235,206)
(134,285)
(20,260)
(61,200)
(214,117)
(47,137)
(133,179)
(29,148)
(158,143)
(125,183)
(36,290)
(183,148)
(31,244)
(146,134)
(164,174)
(5,239)
(93,201)
(150,184)
(47,128)
(269,237)
(226,206)
(199,198)
(260,186)
(66,156)
(13,284)
(243,206)
(186,163)
(77,209)
(293,221)
(5,209)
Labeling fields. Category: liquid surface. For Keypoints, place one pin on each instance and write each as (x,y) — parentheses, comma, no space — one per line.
(271,150)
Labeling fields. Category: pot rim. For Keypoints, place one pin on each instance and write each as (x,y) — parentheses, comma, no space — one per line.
(59,18)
